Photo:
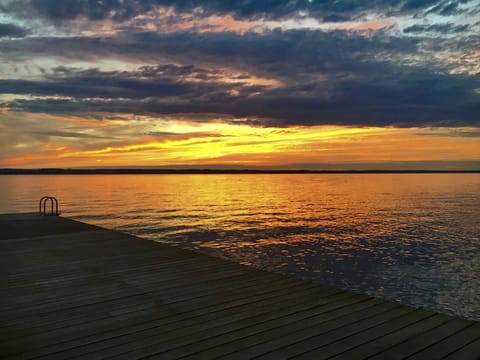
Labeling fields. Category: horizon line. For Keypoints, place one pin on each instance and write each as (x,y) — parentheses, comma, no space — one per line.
(140,171)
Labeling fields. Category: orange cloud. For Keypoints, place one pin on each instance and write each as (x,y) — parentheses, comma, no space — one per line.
(187,143)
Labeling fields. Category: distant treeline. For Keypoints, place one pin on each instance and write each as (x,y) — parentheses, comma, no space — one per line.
(59,171)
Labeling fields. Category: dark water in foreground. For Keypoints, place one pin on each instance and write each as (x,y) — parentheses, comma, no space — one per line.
(407,237)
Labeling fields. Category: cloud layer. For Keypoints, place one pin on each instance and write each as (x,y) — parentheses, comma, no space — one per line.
(283,64)
(295,77)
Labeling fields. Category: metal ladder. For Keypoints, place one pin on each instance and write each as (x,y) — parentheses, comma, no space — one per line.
(42,206)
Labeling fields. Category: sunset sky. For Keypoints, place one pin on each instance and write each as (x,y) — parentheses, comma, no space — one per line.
(254,83)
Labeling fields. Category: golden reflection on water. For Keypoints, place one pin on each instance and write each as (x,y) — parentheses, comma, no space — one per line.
(408,237)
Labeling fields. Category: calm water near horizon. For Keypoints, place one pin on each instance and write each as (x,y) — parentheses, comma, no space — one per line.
(413,238)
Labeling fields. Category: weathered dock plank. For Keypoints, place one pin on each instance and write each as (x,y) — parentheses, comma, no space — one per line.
(71,290)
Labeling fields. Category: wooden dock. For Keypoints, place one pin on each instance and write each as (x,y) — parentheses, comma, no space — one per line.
(72,290)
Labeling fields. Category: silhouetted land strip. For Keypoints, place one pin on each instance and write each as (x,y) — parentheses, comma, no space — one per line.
(75,290)
(52,171)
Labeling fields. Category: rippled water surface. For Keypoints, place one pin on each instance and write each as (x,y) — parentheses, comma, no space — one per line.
(407,237)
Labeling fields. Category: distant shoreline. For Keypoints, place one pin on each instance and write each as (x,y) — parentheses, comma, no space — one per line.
(55,171)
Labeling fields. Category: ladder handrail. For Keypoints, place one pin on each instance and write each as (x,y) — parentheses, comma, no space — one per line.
(43,203)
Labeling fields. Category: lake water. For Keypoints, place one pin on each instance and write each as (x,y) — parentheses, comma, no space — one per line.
(413,238)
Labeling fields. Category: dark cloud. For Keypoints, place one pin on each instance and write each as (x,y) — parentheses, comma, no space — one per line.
(323,78)
(66,134)
(161,81)
(11,30)
(305,77)
(446,8)
(415,100)
(449,9)
(438,28)
(418,4)
(165,135)
(336,18)
(452,133)
(118,10)
(83,87)
(302,50)
(273,54)
(421,165)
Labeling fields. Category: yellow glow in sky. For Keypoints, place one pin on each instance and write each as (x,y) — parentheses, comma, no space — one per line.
(32,140)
